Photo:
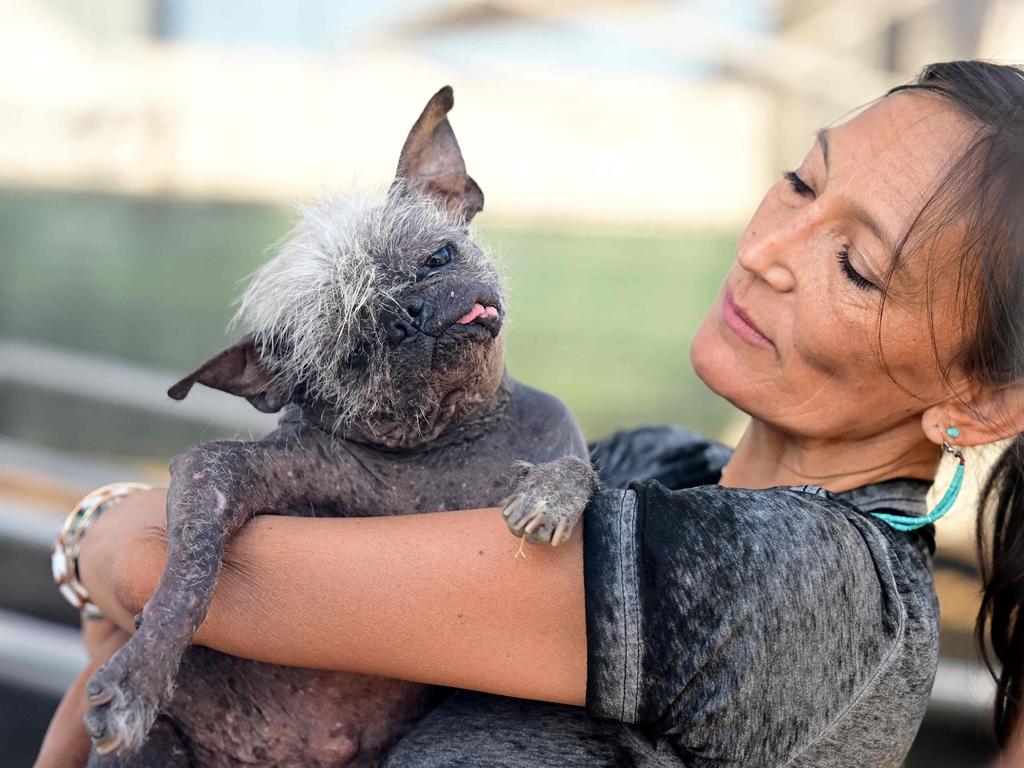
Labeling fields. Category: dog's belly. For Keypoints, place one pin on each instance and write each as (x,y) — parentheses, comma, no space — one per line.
(235,712)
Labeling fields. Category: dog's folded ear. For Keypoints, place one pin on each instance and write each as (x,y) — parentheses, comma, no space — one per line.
(432,163)
(237,370)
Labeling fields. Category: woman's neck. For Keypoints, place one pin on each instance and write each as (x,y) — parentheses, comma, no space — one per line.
(766,457)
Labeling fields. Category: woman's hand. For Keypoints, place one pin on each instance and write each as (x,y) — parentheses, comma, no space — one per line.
(436,598)
(131,529)
(122,555)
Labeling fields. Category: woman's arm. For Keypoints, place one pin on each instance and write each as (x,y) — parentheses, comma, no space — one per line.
(437,598)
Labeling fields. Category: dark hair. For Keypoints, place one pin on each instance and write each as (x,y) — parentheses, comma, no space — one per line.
(983,191)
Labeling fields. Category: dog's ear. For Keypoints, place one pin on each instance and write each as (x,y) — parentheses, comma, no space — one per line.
(432,163)
(237,370)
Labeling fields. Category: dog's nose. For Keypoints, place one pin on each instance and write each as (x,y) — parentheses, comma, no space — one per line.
(419,311)
(399,330)
(410,322)
(414,306)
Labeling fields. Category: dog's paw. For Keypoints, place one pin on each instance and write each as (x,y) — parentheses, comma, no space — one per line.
(548,499)
(124,697)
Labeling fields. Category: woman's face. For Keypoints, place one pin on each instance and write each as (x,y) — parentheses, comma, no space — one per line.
(807,272)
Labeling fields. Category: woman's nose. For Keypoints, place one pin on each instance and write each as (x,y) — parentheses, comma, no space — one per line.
(770,250)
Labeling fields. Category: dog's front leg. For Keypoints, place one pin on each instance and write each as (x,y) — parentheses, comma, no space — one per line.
(214,489)
(548,499)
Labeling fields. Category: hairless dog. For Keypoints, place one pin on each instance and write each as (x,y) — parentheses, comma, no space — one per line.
(376,331)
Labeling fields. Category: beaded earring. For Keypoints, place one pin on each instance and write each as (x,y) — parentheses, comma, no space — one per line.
(903,523)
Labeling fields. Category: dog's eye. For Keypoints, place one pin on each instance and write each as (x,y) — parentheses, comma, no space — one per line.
(439,258)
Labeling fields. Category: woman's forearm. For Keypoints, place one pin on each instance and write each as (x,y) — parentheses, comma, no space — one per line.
(439,598)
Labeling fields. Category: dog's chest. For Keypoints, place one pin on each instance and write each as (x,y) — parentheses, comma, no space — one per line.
(237,711)
(458,477)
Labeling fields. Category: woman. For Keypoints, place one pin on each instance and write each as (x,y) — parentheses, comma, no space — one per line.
(777,607)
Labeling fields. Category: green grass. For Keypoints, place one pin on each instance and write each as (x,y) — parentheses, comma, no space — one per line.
(603,321)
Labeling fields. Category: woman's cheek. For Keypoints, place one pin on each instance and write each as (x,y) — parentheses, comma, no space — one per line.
(830,330)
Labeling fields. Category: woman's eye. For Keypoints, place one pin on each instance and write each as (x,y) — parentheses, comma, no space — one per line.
(801,188)
(797,183)
(439,258)
(854,276)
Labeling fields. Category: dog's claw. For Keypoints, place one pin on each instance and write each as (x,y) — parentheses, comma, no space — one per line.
(96,694)
(548,499)
(94,726)
(512,507)
(556,537)
(124,696)
(108,746)
(535,513)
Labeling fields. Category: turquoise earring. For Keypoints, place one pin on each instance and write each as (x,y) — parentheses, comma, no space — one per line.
(904,523)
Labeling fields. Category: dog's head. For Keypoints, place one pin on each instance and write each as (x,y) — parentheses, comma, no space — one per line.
(385,318)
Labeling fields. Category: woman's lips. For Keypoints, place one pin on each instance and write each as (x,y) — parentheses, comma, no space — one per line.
(742,325)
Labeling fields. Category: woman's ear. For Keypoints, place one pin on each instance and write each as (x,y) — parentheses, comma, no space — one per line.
(986,415)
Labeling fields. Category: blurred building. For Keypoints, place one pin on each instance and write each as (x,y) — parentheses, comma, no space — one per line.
(611,106)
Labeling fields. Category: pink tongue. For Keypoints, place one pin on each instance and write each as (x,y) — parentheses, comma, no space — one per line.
(475,312)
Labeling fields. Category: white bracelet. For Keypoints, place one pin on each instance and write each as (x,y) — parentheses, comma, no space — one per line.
(64,555)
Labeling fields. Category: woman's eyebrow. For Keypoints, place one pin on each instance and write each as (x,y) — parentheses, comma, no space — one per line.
(856,208)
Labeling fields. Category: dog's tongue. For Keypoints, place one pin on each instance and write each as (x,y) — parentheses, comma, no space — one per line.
(478,310)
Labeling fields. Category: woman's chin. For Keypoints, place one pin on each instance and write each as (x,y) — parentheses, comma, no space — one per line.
(718,363)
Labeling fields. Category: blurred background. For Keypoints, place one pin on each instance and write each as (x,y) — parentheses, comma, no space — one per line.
(149,151)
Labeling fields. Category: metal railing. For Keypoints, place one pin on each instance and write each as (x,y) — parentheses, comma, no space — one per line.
(120,383)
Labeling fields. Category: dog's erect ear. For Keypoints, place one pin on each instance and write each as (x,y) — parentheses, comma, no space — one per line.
(432,163)
(237,370)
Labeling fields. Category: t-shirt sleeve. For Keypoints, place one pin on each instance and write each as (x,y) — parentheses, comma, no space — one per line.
(675,457)
(715,610)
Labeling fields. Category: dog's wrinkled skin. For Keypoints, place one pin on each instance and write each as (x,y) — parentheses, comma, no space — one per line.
(377,330)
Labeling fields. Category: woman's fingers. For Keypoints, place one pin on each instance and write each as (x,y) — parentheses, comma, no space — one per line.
(95,633)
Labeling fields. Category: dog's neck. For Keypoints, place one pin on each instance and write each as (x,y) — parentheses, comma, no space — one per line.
(460,417)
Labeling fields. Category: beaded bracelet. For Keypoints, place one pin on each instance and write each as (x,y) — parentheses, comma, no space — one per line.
(64,555)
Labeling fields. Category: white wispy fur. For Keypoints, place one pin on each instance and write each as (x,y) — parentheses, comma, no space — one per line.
(320,299)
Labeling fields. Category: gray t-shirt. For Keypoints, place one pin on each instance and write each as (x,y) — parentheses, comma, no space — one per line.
(761,628)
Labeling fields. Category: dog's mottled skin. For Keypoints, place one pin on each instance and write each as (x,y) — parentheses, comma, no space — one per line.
(378,330)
